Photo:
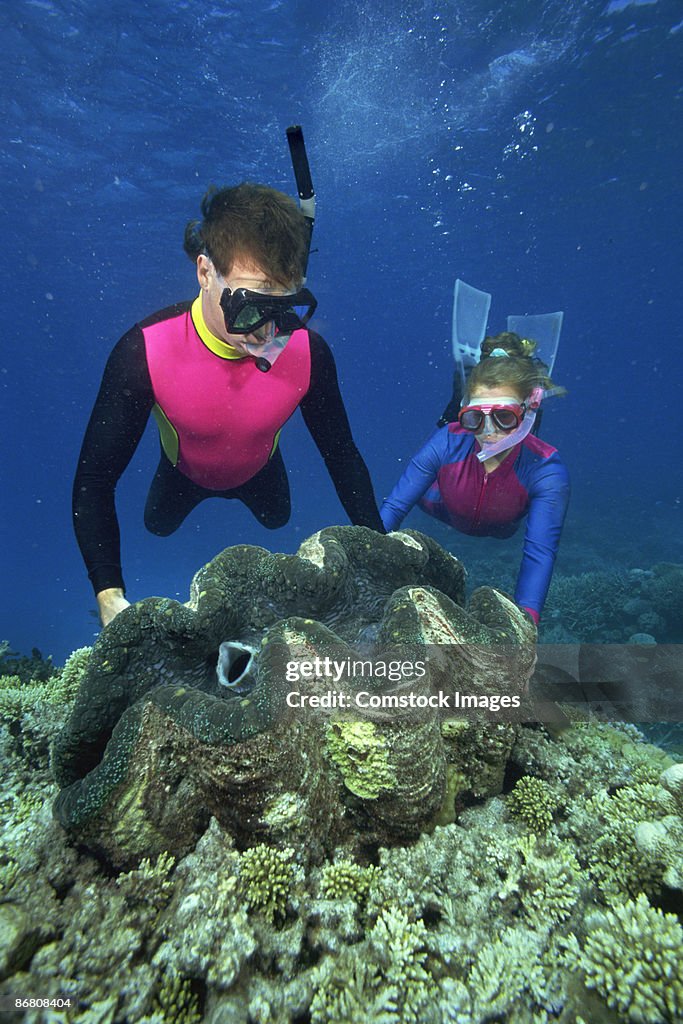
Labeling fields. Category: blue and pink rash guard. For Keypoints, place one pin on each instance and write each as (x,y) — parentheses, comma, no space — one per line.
(448,482)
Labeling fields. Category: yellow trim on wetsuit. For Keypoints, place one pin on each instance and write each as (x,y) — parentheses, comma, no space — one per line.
(214,344)
(168,435)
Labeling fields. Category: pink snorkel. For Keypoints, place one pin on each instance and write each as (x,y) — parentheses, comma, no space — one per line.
(515,436)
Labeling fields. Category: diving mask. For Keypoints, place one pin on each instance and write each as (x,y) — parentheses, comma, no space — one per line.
(504,414)
(245,311)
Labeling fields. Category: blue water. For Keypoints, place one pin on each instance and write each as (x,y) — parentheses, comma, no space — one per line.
(531,148)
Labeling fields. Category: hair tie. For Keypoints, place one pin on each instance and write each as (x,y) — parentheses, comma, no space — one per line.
(499,352)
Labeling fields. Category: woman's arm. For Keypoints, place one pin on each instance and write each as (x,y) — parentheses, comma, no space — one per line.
(549,497)
(419,475)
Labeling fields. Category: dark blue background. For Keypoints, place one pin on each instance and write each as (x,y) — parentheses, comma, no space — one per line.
(533,149)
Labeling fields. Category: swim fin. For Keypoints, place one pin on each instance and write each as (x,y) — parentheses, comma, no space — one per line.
(470,316)
(545,330)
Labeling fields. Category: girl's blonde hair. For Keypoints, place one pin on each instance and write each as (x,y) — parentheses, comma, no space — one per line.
(517,369)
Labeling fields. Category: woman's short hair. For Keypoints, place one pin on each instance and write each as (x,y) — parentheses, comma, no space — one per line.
(253,222)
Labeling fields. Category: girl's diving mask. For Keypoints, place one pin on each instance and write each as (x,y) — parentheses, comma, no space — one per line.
(525,415)
(504,414)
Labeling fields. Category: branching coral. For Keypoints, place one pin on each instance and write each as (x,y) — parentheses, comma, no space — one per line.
(346,880)
(9,871)
(546,879)
(267,875)
(35,709)
(71,676)
(399,945)
(176,1002)
(665,590)
(388,983)
(150,884)
(532,801)
(352,990)
(621,866)
(590,605)
(503,970)
(633,959)
(660,841)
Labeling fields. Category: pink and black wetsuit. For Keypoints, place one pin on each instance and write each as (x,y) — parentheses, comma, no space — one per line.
(449,483)
(219,421)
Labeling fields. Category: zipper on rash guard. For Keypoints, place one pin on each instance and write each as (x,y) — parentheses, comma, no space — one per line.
(480,502)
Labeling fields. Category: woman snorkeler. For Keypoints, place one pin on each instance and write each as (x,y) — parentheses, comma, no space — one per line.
(485,471)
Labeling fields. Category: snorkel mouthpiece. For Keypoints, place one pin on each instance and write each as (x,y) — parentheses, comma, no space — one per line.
(266,353)
(531,405)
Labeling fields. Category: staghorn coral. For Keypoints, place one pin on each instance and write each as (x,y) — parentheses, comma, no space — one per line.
(533,803)
(632,958)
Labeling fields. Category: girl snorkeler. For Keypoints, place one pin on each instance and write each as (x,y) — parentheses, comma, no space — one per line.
(485,471)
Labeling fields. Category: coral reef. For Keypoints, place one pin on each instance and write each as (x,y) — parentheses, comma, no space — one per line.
(616,606)
(632,956)
(27,669)
(536,876)
(35,709)
(345,879)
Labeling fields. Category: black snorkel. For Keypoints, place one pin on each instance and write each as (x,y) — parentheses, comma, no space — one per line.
(304,183)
